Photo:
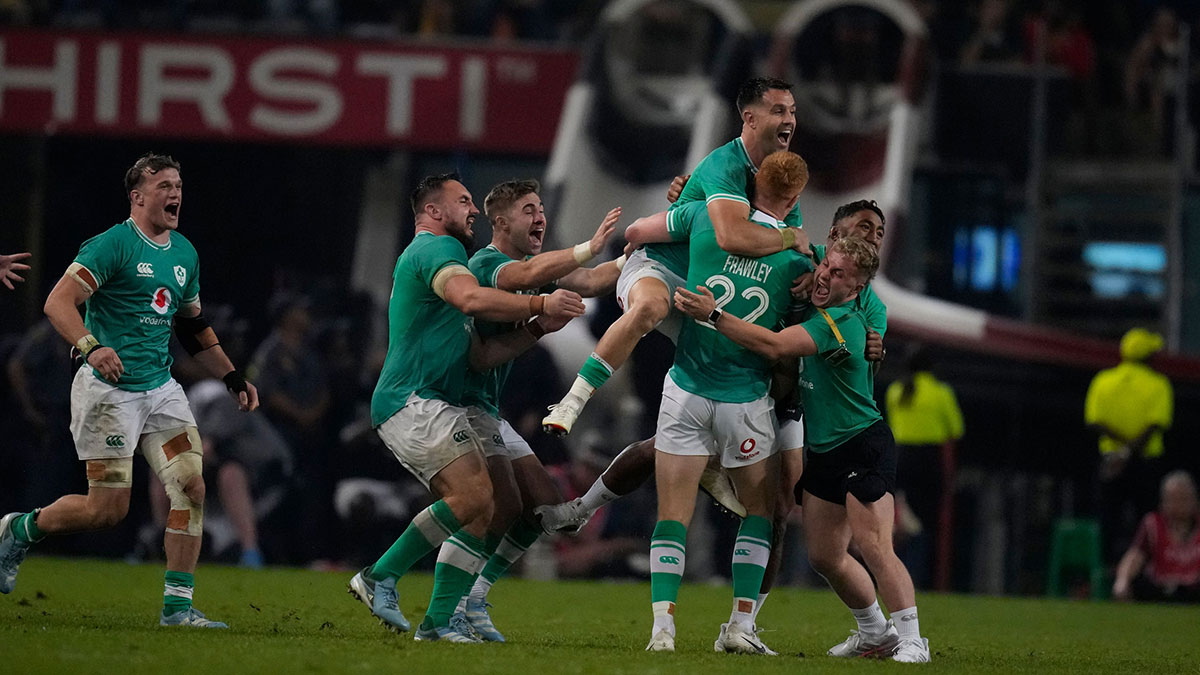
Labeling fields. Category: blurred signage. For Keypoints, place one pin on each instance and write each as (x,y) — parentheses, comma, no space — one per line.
(420,95)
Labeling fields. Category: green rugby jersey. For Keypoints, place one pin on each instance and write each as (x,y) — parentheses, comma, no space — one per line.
(872,307)
(725,173)
(139,287)
(428,338)
(483,389)
(838,399)
(757,290)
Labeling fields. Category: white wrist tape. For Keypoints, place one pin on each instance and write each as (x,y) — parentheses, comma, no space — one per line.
(582,252)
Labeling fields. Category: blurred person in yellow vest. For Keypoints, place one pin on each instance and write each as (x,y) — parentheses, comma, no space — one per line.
(1129,406)
(924,415)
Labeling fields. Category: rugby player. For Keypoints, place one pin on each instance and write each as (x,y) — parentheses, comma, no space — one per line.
(137,279)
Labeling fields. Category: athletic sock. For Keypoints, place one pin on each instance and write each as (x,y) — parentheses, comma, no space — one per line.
(458,562)
(870,619)
(668,557)
(907,624)
(479,590)
(427,531)
(762,598)
(598,495)
(177,592)
(750,553)
(592,375)
(24,528)
(516,542)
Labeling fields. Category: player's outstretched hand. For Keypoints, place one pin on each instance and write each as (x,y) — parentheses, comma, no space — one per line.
(9,268)
(676,188)
(107,363)
(563,304)
(802,244)
(247,400)
(696,305)
(802,286)
(875,350)
(606,229)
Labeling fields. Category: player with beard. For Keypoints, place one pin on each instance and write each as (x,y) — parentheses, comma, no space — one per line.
(644,290)
(514,261)
(417,405)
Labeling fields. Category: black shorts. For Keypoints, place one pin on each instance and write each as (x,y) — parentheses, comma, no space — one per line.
(864,466)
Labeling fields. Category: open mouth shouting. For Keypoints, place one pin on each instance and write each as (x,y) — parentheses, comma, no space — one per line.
(172,211)
(820,294)
(784,136)
(537,235)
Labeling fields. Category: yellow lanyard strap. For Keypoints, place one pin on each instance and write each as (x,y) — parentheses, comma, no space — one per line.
(833,326)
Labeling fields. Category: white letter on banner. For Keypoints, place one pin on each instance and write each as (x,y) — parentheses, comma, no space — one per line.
(472,98)
(59,79)
(401,71)
(207,93)
(108,82)
(265,80)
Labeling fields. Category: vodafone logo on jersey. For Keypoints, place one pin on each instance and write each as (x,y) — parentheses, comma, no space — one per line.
(160,302)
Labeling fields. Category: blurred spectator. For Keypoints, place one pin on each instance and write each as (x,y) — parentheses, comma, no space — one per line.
(1150,81)
(295,396)
(996,38)
(40,374)
(253,465)
(927,423)
(1069,43)
(1163,564)
(1129,406)
(534,384)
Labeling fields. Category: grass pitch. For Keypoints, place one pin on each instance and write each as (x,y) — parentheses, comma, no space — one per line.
(74,615)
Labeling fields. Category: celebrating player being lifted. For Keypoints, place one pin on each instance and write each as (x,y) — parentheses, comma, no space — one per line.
(716,403)
(136,278)
(514,261)
(417,405)
(848,483)
(644,290)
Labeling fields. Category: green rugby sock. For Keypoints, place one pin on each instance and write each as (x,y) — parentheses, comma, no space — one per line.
(25,529)
(458,562)
(177,591)
(668,547)
(427,531)
(750,553)
(595,371)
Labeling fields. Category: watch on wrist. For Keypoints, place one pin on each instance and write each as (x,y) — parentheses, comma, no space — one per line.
(714,315)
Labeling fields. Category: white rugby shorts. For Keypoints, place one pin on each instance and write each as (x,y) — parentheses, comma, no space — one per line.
(638,267)
(426,435)
(741,434)
(107,422)
(496,435)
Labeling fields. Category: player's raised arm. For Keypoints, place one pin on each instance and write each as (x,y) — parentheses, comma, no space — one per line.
(464,292)
(550,266)
(791,341)
(737,235)
(62,308)
(490,352)
(9,268)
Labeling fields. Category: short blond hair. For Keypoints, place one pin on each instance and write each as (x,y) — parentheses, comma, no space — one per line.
(864,255)
(783,175)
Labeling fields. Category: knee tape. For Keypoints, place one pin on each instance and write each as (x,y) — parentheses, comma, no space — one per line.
(110,473)
(176,457)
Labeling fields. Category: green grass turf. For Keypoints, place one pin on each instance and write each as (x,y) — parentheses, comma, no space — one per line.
(75,615)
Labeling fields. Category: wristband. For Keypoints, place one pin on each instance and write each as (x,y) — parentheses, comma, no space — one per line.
(789,237)
(714,316)
(621,262)
(235,381)
(582,252)
(537,304)
(87,344)
(535,329)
